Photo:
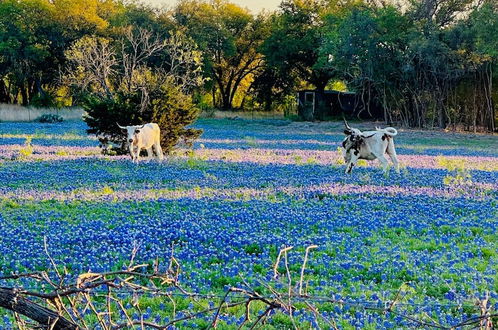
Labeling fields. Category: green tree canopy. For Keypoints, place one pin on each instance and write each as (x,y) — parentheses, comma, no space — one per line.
(230,37)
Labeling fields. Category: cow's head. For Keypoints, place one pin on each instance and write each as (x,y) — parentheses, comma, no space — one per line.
(352,141)
(353,135)
(132,133)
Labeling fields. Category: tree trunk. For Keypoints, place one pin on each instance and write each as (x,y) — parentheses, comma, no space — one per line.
(47,318)
(489,99)
(268,101)
(225,102)
(224,94)
(24,95)
(225,98)
(38,90)
(214,96)
(4,93)
(320,86)
(441,116)
(31,90)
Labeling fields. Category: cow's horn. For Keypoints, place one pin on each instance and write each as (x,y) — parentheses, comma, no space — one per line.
(120,126)
(346,124)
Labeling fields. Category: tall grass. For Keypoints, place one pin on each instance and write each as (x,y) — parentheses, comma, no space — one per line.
(13,112)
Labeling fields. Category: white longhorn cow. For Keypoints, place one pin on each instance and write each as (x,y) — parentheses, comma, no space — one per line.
(369,145)
(143,137)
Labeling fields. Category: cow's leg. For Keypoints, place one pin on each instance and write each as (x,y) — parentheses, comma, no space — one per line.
(149,153)
(159,150)
(132,153)
(392,154)
(349,167)
(137,154)
(352,162)
(383,161)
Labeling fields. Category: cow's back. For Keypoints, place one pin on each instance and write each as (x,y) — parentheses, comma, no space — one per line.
(151,133)
(376,143)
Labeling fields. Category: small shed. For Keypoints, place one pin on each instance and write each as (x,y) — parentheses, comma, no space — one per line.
(320,105)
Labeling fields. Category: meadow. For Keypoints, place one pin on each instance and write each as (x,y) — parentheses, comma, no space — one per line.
(250,188)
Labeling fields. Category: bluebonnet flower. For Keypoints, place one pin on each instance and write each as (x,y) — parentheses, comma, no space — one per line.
(232,216)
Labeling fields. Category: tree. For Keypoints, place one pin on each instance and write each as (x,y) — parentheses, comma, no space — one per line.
(121,84)
(33,37)
(25,52)
(364,45)
(485,27)
(295,40)
(475,39)
(439,12)
(271,86)
(229,37)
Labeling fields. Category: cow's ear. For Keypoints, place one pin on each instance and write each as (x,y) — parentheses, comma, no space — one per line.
(347,132)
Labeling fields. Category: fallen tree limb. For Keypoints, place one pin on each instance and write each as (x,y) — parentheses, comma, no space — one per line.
(11,300)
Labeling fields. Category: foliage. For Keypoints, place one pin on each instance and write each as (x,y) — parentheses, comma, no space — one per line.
(411,65)
(292,51)
(170,109)
(104,113)
(429,63)
(33,37)
(126,88)
(272,88)
(173,110)
(229,36)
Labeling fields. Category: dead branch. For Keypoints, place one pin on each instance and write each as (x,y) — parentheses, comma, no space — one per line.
(12,299)
(97,293)
(304,266)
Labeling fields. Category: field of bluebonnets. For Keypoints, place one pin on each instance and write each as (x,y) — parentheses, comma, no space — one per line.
(251,188)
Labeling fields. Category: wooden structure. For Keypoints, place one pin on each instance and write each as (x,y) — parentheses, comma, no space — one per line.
(320,105)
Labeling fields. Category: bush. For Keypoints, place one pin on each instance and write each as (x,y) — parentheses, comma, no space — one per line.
(172,110)
(131,88)
(169,107)
(50,118)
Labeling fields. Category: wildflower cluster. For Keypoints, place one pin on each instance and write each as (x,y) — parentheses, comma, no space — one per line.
(232,204)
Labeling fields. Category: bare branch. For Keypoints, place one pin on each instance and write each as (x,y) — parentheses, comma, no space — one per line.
(304,267)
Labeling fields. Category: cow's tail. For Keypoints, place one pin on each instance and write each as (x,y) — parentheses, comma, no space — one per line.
(391,131)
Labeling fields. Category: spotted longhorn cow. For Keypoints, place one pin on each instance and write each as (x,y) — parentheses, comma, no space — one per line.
(369,145)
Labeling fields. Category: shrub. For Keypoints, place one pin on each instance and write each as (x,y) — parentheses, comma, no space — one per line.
(50,118)
(172,110)
(169,107)
(132,88)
